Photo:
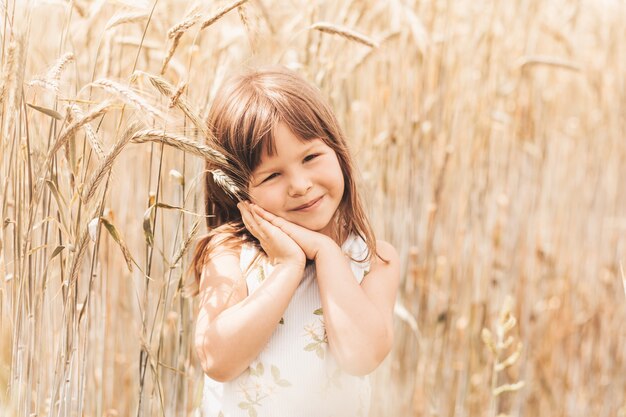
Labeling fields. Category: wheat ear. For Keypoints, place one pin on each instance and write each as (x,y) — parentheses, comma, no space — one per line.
(128,96)
(169,91)
(95,143)
(228,184)
(344,32)
(73,127)
(105,166)
(181,142)
(221,12)
(175,33)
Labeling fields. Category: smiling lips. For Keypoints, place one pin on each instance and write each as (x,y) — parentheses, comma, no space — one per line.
(310,205)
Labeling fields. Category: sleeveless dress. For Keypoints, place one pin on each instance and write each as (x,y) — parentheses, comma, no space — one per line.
(295,375)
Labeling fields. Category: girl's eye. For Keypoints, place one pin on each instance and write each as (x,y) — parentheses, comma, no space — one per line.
(274,175)
(310,157)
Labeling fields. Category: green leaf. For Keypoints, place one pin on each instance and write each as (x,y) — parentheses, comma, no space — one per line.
(260,369)
(319,312)
(116,236)
(275,372)
(148,217)
(320,352)
(52,113)
(244,406)
(61,204)
(252,412)
(56,251)
(311,346)
(284,383)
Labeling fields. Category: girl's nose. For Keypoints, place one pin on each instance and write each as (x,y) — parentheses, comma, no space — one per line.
(299,185)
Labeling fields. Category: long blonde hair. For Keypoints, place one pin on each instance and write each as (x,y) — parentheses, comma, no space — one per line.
(242,119)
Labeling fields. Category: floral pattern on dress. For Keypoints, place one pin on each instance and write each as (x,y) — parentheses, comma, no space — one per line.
(255,385)
(315,333)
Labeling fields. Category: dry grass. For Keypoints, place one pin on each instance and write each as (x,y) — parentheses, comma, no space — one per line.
(489,137)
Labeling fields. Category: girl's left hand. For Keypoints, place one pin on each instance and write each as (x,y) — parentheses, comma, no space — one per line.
(310,241)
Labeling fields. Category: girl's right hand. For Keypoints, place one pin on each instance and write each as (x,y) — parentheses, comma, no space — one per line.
(279,247)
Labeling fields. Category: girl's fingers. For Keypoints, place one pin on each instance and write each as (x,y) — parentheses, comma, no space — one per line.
(279,222)
(250,222)
(262,223)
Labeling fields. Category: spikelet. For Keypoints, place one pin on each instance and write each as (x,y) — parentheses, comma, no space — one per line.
(344,32)
(499,345)
(176,96)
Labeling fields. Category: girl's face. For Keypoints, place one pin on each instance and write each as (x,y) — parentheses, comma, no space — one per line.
(302,182)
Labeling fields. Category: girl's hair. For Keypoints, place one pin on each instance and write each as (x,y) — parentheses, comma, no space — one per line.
(244,113)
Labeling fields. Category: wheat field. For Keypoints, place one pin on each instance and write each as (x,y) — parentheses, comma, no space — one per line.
(489,137)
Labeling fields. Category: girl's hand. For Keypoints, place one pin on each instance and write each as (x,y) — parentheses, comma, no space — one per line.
(279,247)
(310,241)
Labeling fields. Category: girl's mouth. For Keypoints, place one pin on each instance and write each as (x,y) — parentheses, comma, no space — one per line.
(310,205)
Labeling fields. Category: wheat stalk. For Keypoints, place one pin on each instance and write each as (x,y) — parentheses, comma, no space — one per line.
(548,61)
(344,32)
(621,268)
(135,41)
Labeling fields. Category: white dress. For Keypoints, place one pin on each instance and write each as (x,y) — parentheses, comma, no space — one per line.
(295,375)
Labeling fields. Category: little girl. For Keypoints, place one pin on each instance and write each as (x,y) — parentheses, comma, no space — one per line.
(296,295)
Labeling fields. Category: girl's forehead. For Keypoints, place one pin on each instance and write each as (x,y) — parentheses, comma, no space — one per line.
(282,139)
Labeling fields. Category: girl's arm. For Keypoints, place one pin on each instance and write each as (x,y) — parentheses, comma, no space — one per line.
(233,327)
(358,318)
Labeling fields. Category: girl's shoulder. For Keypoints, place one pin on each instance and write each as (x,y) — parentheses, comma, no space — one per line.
(222,252)
(386,250)
(386,259)
(230,253)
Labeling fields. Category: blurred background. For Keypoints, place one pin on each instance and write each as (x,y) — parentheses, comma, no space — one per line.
(489,137)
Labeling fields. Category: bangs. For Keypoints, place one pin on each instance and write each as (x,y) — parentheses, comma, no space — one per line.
(299,117)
